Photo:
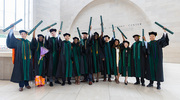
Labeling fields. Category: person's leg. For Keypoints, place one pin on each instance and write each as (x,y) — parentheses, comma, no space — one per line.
(126,77)
(21,85)
(142,81)
(57,81)
(51,81)
(109,78)
(26,83)
(90,79)
(64,80)
(98,77)
(137,81)
(158,85)
(85,78)
(93,78)
(104,77)
(78,80)
(150,84)
(69,80)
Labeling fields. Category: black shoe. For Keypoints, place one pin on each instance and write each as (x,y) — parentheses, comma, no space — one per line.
(137,83)
(57,82)
(63,84)
(69,82)
(51,84)
(93,81)
(143,84)
(158,87)
(150,85)
(126,83)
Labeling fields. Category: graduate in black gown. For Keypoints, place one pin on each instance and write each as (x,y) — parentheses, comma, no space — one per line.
(39,64)
(87,57)
(78,63)
(65,67)
(23,64)
(116,57)
(138,57)
(51,44)
(155,58)
(97,54)
(126,69)
(107,60)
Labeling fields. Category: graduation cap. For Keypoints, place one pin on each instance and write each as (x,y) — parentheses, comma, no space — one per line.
(40,35)
(126,42)
(84,33)
(52,30)
(153,33)
(106,36)
(23,31)
(75,38)
(96,33)
(136,35)
(66,34)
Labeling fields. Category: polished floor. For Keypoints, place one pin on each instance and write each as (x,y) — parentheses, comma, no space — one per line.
(99,91)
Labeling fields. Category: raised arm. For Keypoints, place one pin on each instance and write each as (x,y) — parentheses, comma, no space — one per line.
(164,41)
(11,40)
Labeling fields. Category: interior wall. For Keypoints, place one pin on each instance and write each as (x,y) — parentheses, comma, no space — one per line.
(125,12)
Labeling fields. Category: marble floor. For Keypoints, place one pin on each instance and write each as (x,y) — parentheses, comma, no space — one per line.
(99,91)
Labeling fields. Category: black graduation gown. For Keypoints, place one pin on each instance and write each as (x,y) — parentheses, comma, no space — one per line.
(155,66)
(87,55)
(107,66)
(114,58)
(49,45)
(126,62)
(138,56)
(64,68)
(97,55)
(37,49)
(78,69)
(18,73)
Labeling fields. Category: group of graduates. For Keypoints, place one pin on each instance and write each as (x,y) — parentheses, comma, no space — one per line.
(93,55)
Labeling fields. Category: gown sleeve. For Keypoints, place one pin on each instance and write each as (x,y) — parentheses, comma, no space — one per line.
(164,41)
(11,40)
(33,44)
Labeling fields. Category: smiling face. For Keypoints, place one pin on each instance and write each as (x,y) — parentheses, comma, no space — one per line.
(53,34)
(85,36)
(75,41)
(116,43)
(106,39)
(136,38)
(152,37)
(67,37)
(23,35)
(126,44)
(40,38)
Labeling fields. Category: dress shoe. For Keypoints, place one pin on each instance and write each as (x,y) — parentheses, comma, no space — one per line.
(137,83)
(143,84)
(28,87)
(20,89)
(150,85)
(158,87)
(63,84)
(69,82)
(90,83)
(109,79)
(51,84)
